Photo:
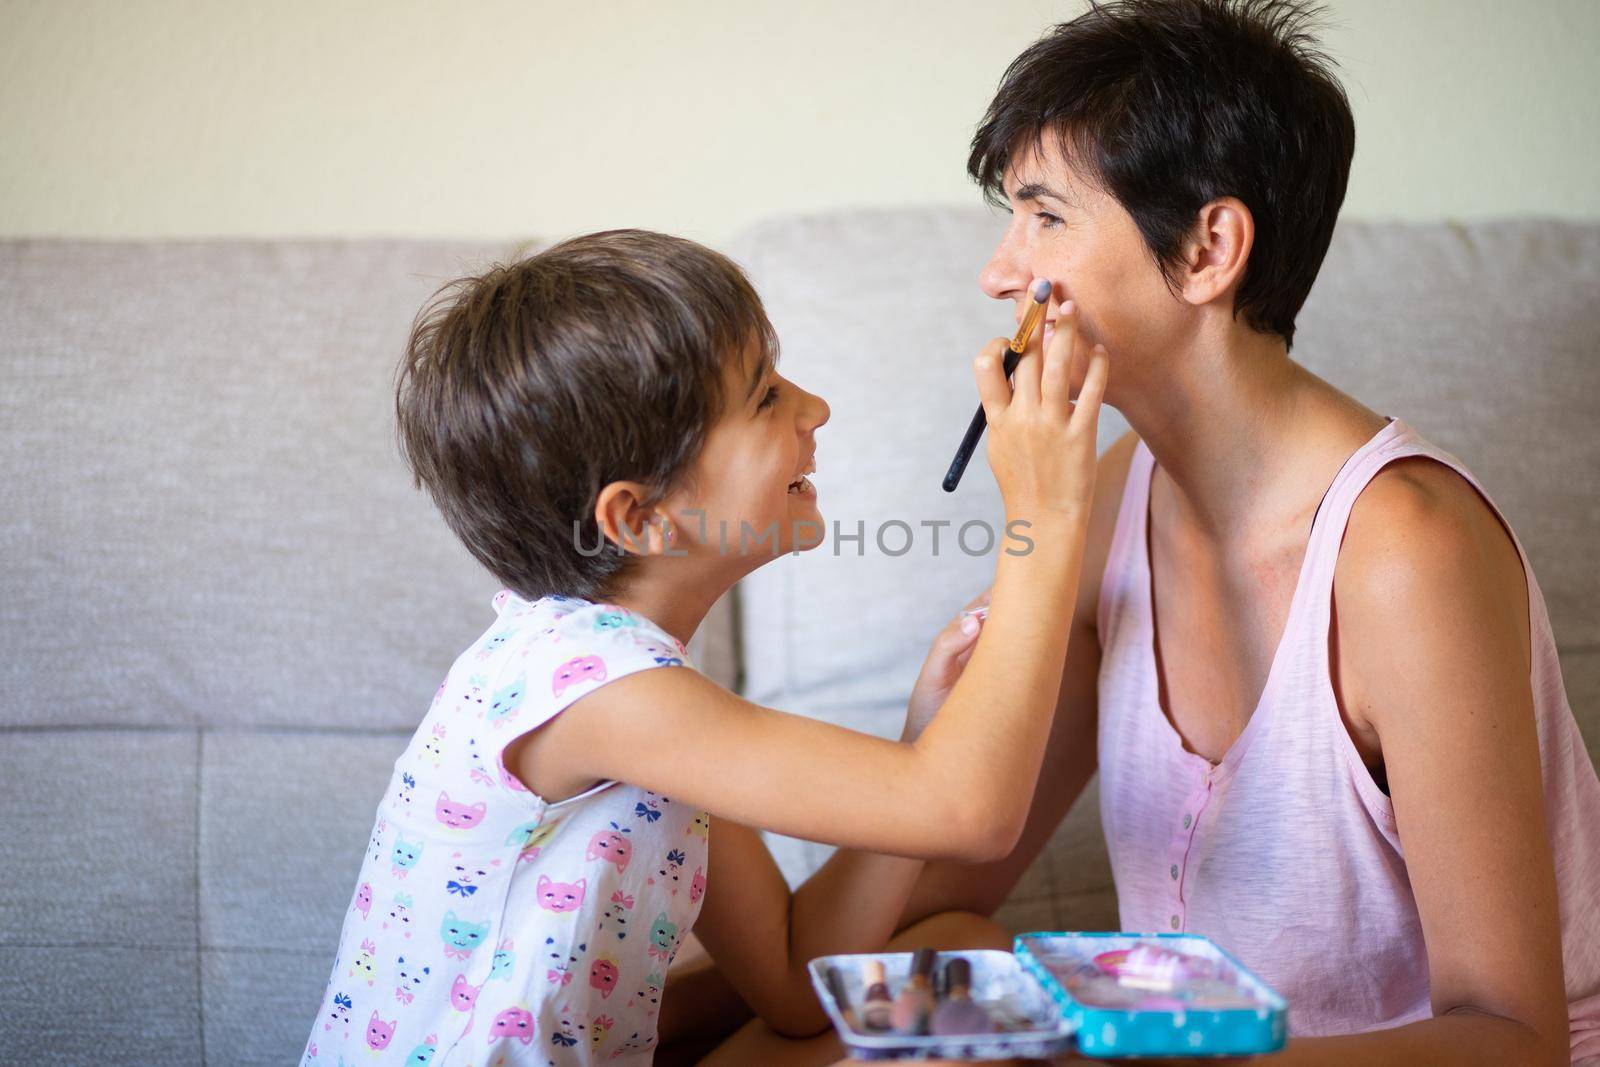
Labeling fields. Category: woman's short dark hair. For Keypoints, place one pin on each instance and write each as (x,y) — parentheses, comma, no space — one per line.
(1169,104)
(524,390)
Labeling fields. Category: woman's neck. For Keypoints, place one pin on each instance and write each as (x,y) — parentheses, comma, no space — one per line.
(1238,427)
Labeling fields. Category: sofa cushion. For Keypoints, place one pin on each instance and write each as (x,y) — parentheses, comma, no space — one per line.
(98,838)
(100,1004)
(260,1006)
(300,805)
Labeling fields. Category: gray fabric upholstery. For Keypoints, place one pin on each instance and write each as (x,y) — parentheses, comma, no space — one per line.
(224,607)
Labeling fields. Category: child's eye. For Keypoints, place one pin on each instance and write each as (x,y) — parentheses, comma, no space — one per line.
(768,400)
(1046,220)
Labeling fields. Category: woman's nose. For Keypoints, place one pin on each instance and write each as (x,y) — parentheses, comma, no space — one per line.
(1005,275)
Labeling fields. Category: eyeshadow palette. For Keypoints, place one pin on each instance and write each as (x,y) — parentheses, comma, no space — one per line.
(1099,994)
(1027,1021)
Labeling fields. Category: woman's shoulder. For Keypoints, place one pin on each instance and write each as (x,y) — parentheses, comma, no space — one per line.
(1426,565)
(1419,524)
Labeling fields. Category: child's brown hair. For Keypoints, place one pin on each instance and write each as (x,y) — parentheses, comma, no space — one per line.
(527,388)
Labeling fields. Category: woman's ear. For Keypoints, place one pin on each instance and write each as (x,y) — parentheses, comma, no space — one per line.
(627,522)
(1217,253)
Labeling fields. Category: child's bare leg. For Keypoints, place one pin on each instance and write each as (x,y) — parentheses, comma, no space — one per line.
(699,1008)
(757,1043)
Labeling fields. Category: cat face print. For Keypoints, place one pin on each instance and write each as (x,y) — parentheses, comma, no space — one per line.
(422,1055)
(380,1033)
(607,621)
(404,856)
(461,937)
(612,846)
(560,896)
(700,826)
(400,914)
(603,976)
(462,995)
(531,837)
(456,815)
(362,967)
(338,1012)
(463,878)
(515,1024)
(697,886)
(411,977)
(663,940)
(615,918)
(574,671)
(505,958)
(508,701)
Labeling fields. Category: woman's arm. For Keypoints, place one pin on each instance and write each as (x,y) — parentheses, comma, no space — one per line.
(1431,662)
(1432,657)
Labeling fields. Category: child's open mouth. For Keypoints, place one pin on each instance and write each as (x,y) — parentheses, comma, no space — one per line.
(802,486)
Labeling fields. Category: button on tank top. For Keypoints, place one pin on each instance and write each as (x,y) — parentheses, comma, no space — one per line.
(1286,852)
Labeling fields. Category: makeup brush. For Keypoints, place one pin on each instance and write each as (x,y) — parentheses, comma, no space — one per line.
(1039,291)
(958,1013)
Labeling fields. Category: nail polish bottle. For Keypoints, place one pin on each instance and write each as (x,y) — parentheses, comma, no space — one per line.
(876,1007)
(915,1003)
(842,998)
(958,1013)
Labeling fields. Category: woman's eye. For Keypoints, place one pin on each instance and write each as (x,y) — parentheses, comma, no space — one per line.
(768,400)
(1047,220)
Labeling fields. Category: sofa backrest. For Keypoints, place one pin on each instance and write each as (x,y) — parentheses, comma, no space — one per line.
(205,517)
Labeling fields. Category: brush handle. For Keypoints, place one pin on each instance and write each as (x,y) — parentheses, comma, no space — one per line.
(969,442)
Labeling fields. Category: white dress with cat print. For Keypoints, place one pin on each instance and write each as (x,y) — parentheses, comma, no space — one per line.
(487,926)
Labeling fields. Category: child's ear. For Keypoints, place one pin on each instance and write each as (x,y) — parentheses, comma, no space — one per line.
(626,521)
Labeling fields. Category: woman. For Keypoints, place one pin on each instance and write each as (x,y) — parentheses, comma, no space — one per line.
(1310,662)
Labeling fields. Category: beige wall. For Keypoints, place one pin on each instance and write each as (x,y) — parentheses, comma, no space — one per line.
(500,119)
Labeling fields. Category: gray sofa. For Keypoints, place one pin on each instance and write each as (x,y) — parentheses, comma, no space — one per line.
(224,606)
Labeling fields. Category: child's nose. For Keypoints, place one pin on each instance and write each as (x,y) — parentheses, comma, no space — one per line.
(814,412)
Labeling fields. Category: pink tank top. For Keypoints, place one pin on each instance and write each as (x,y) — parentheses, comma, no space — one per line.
(1286,852)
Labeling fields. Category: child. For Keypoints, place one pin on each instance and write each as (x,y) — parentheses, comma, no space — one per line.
(603,427)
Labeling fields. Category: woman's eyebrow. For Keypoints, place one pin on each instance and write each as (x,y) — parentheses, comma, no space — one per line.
(1036,191)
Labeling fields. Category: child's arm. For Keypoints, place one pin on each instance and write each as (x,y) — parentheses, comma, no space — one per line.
(962,789)
(762,935)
